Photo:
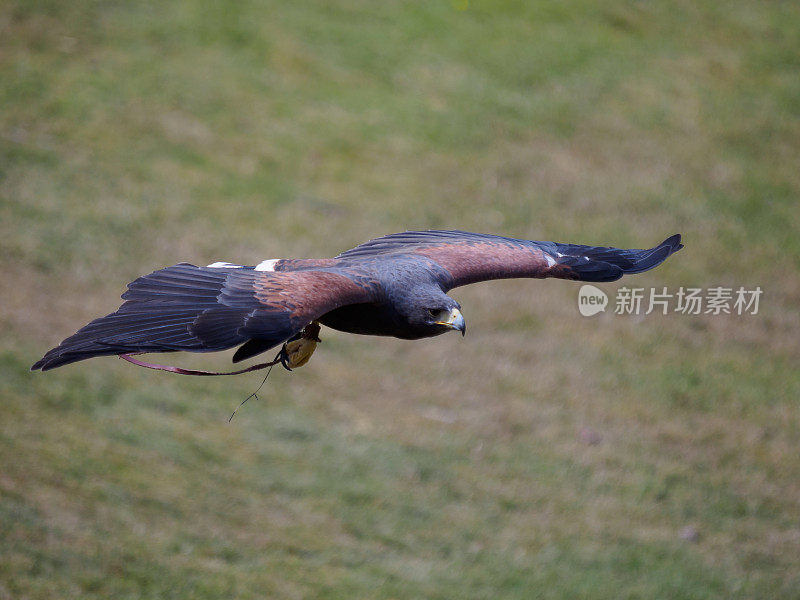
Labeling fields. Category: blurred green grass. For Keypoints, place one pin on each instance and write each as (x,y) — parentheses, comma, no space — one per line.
(137,135)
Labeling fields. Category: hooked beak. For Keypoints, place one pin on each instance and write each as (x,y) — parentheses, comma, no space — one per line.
(455,321)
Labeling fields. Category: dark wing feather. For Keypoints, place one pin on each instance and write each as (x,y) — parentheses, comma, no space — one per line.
(200,309)
(472,257)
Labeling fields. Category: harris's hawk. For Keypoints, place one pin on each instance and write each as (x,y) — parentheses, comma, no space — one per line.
(394,285)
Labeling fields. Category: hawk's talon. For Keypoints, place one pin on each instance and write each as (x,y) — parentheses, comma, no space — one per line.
(297,351)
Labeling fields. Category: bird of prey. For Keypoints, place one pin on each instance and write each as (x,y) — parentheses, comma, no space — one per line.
(394,285)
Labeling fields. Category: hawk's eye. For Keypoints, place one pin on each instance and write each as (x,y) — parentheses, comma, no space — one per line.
(433,314)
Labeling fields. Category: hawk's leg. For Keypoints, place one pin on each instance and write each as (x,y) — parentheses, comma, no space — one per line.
(298,350)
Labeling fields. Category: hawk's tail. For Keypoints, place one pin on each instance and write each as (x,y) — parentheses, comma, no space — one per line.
(594,263)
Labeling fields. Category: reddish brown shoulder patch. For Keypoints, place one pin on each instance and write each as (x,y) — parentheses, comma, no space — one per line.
(478,261)
(307,294)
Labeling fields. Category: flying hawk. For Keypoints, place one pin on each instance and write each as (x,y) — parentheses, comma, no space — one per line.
(394,285)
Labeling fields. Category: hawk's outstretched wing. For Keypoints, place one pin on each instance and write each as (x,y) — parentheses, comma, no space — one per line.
(203,309)
(472,257)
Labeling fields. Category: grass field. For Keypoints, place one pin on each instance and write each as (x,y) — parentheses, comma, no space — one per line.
(545,455)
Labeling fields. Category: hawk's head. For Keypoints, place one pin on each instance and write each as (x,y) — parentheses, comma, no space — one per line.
(432,313)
